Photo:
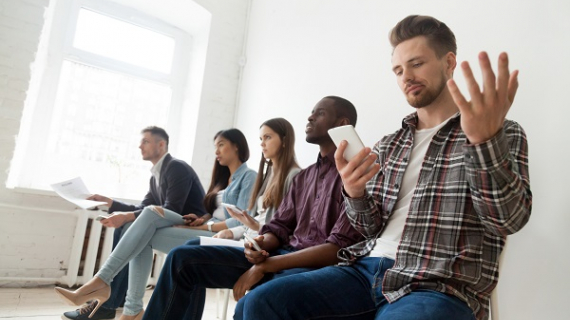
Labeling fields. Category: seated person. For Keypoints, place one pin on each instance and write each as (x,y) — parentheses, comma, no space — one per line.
(445,191)
(173,185)
(305,233)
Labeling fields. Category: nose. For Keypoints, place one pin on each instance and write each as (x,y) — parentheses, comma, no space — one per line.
(407,75)
(310,118)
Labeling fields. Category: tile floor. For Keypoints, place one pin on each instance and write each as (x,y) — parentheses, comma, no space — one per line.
(43,304)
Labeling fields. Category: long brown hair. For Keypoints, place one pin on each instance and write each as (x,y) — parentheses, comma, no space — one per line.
(221,174)
(273,194)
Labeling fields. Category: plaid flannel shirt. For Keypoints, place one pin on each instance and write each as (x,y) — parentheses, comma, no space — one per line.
(467,200)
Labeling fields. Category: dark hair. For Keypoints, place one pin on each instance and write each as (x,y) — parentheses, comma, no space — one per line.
(157,132)
(221,174)
(440,38)
(273,194)
(344,109)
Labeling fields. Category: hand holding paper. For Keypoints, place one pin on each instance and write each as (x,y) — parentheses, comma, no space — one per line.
(75,191)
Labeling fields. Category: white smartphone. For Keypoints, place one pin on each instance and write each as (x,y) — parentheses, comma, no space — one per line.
(231,206)
(252,241)
(349,134)
(100,217)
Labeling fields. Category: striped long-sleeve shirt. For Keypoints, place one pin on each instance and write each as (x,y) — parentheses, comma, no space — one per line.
(467,200)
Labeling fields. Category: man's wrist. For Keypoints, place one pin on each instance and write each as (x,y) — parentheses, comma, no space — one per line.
(262,267)
(356,197)
(130,216)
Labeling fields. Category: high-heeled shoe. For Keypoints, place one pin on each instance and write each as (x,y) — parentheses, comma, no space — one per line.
(73,298)
(139,316)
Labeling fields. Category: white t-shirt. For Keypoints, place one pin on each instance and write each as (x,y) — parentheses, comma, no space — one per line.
(219,213)
(387,243)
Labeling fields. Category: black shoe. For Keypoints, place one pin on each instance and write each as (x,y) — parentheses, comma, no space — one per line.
(83,313)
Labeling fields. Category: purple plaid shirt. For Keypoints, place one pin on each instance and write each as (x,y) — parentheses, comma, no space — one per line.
(467,200)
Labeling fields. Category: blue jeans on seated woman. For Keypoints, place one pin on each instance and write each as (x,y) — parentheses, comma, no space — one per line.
(352,292)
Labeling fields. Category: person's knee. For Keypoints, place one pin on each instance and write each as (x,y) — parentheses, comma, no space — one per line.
(193,242)
(426,305)
(249,307)
(157,209)
(153,211)
(181,255)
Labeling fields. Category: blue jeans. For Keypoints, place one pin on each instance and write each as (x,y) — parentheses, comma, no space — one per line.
(121,281)
(149,231)
(189,269)
(346,293)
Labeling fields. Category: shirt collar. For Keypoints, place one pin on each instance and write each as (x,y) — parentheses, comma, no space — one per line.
(240,171)
(155,170)
(412,119)
(327,158)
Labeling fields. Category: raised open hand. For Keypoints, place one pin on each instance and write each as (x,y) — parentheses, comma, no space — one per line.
(483,116)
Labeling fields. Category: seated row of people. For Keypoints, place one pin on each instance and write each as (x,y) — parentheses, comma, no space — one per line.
(161,228)
(416,224)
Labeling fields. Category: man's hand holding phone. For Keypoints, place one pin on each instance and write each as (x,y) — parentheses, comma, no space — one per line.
(356,172)
(253,249)
(355,163)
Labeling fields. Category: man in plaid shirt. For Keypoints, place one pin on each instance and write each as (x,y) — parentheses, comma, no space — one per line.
(435,200)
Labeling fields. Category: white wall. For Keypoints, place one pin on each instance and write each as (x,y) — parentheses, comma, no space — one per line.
(299,51)
(36,230)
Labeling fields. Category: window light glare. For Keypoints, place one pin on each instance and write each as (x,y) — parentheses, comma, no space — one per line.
(123,41)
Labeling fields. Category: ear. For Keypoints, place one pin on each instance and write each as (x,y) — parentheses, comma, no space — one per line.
(344,122)
(450,63)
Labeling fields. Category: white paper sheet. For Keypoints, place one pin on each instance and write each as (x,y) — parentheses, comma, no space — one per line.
(209,241)
(75,191)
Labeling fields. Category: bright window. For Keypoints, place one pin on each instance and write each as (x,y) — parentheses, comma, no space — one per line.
(109,77)
(123,41)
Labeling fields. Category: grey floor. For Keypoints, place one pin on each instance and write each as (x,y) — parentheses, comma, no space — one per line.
(43,303)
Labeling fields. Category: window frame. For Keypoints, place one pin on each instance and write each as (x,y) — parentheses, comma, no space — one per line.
(58,48)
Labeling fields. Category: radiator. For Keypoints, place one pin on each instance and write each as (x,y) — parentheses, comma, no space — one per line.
(88,258)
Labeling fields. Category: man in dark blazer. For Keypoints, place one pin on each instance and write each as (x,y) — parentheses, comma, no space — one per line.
(179,190)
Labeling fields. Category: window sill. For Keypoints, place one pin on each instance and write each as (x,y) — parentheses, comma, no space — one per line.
(51,193)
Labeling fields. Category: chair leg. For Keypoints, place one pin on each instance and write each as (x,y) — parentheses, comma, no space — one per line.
(218,303)
(222,315)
